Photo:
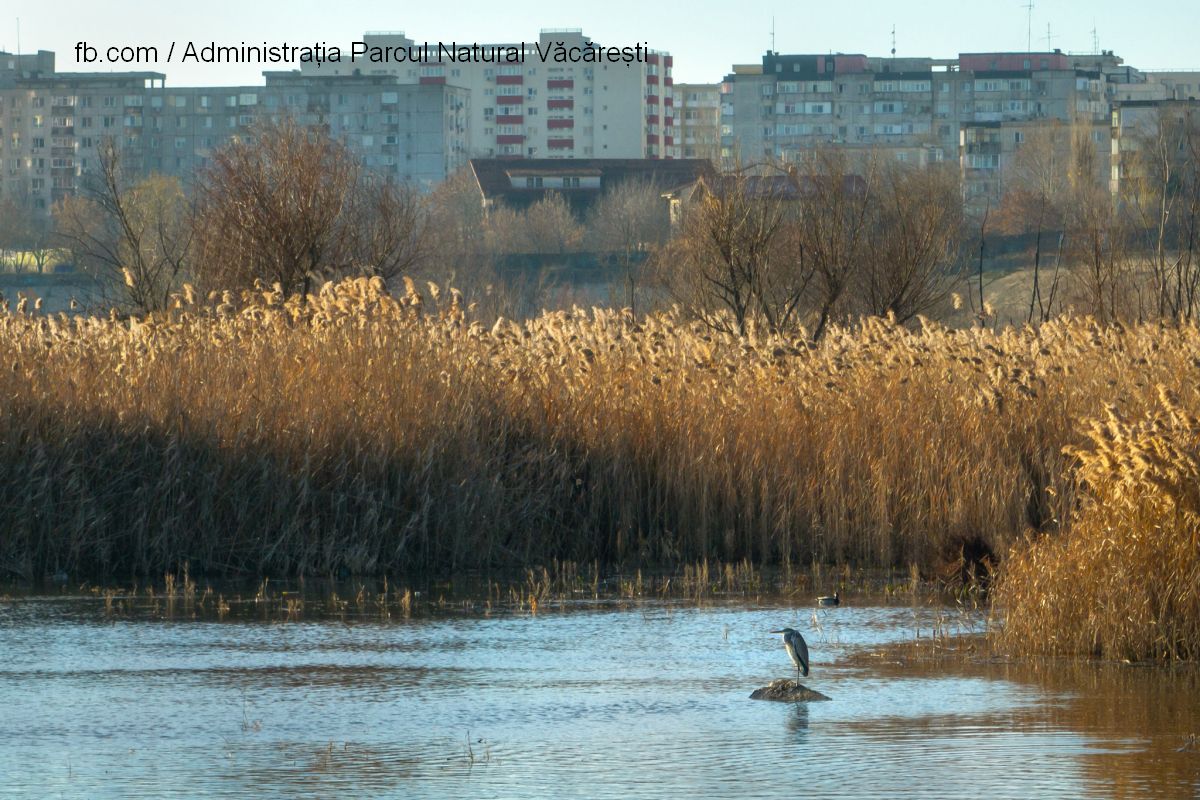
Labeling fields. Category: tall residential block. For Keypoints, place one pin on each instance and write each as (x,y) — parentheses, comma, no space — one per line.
(53,123)
(914,108)
(537,107)
(698,120)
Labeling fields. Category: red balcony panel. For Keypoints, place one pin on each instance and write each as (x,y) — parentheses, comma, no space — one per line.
(560,83)
(668,101)
(509,138)
(555,124)
(668,121)
(510,99)
(652,99)
(560,144)
(652,58)
(560,103)
(668,141)
(509,119)
(652,119)
(433,79)
(651,138)
(652,79)
(668,81)
(510,79)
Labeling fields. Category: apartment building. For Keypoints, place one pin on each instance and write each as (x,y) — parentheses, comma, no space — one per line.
(912,108)
(989,150)
(52,123)
(525,105)
(698,120)
(1138,123)
(1176,85)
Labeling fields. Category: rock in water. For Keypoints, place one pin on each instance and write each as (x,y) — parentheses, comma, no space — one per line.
(785,689)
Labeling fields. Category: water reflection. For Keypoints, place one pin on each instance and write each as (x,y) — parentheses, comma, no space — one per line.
(797,721)
(648,699)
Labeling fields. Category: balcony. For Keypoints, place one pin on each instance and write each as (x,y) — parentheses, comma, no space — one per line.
(983,148)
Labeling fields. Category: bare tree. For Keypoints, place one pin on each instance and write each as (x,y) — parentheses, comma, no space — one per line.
(387,228)
(629,220)
(1163,196)
(270,208)
(456,227)
(1098,236)
(1034,201)
(23,232)
(734,253)
(836,206)
(135,238)
(550,227)
(913,255)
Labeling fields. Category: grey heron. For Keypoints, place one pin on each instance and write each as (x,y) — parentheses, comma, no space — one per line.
(797,649)
(829,600)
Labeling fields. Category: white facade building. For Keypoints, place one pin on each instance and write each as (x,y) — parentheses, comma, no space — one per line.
(537,107)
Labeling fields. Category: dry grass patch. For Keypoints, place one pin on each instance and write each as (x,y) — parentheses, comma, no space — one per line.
(356,431)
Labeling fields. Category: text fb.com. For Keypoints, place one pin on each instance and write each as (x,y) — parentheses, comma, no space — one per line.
(426,53)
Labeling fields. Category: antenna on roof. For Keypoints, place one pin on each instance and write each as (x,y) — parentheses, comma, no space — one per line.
(772,33)
(1049,36)
(1029,27)
(893,41)
(1095,38)
(18,43)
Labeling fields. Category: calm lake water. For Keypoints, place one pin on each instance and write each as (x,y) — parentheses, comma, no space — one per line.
(587,700)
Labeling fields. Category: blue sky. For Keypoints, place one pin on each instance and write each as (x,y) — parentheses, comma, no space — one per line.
(705,36)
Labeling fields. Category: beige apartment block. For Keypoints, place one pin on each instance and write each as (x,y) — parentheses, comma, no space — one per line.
(1177,85)
(999,155)
(538,107)
(1136,128)
(793,103)
(698,120)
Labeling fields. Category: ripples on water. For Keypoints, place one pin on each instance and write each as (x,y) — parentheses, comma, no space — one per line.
(650,701)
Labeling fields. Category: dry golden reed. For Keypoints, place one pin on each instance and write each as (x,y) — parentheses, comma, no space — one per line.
(1124,581)
(357,431)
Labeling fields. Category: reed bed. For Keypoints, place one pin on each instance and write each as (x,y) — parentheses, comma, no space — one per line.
(358,432)
(1124,581)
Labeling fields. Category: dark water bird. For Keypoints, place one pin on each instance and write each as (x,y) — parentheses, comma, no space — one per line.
(797,649)
(829,600)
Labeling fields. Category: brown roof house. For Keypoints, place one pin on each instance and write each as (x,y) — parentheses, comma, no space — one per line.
(519,183)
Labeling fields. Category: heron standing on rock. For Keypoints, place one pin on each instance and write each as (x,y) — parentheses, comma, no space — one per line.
(797,649)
